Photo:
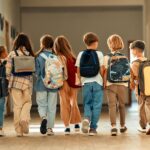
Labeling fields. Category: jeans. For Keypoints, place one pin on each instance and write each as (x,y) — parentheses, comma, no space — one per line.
(47,103)
(92,101)
(2,108)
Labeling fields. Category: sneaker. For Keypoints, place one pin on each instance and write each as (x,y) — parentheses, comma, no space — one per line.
(123,129)
(92,132)
(25,126)
(19,134)
(148,132)
(85,126)
(67,131)
(77,128)
(50,131)
(142,130)
(43,127)
(1,132)
(113,132)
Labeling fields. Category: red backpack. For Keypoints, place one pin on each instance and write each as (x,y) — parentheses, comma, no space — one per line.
(72,73)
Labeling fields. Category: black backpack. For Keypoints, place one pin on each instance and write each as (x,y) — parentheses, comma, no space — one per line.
(3,80)
(118,68)
(89,64)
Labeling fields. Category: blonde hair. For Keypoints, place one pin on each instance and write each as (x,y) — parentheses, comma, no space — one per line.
(63,47)
(115,42)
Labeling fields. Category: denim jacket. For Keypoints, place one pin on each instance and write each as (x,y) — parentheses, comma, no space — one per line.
(40,73)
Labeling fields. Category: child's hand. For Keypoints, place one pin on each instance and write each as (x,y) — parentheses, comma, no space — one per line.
(132,85)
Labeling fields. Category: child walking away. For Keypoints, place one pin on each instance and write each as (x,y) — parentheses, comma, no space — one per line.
(19,69)
(117,74)
(90,71)
(49,72)
(3,86)
(141,83)
(70,113)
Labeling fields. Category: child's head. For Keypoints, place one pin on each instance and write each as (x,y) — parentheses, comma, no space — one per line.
(115,42)
(22,40)
(137,47)
(46,42)
(63,47)
(3,52)
(91,40)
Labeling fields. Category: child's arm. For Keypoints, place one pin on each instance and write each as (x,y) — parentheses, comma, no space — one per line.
(8,67)
(78,73)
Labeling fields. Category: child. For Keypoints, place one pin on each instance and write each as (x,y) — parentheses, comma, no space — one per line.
(3,89)
(91,78)
(46,98)
(20,86)
(137,49)
(70,113)
(116,92)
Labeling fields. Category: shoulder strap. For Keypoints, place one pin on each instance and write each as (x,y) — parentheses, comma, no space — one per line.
(16,53)
(43,56)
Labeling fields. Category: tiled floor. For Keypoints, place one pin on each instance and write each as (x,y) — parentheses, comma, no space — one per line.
(132,140)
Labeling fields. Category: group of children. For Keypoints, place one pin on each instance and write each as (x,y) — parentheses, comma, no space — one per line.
(91,71)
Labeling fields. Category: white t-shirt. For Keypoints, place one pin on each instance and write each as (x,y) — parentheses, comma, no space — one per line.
(106,59)
(98,77)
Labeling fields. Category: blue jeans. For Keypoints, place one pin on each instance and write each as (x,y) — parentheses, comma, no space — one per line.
(92,101)
(2,108)
(47,103)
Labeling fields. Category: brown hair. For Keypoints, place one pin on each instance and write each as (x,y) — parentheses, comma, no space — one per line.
(22,40)
(140,45)
(115,42)
(47,42)
(63,47)
(2,51)
(90,38)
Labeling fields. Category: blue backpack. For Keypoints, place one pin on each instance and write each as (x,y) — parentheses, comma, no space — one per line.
(89,64)
(118,68)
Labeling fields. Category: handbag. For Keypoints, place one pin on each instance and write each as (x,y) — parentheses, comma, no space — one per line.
(23,65)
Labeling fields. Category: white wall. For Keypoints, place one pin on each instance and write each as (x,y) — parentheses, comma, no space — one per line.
(73,22)
(10,9)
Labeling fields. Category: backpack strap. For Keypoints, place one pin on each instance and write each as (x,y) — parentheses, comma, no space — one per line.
(43,56)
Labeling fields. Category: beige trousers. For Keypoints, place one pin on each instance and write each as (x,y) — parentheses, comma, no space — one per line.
(144,110)
(22,106)
(116,95)
(69,110)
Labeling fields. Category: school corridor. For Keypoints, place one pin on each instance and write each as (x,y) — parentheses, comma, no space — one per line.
(73,18)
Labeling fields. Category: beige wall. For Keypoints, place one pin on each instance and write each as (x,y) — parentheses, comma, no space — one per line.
(10,9)
(70,3)
(74,22)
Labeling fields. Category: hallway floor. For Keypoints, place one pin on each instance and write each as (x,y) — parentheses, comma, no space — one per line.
(132,140)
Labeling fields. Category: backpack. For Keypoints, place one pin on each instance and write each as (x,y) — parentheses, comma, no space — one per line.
(144,73)
(23,65)
(72,73)
(118,68)
(3,80)
(89,64)
(53,72)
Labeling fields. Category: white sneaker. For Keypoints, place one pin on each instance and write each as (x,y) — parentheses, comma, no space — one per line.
(85,126)
(50,131)
(1,132)
(142,130)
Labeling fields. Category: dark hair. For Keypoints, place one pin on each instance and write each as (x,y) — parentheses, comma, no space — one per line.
(138,44)
(63,47)
(47,42)
(22,40)
(90,38)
